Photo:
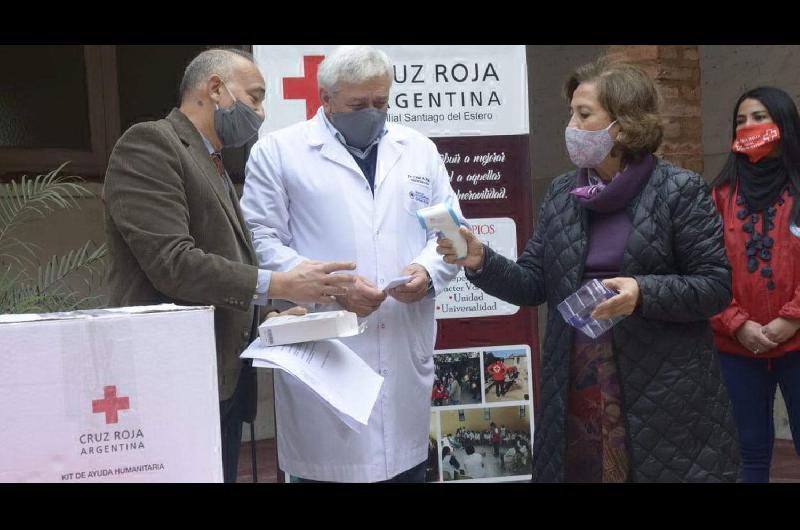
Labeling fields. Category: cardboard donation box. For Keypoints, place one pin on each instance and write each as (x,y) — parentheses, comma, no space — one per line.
(111,395)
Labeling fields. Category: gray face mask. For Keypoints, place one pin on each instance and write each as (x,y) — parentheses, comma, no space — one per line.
(236,125)
(360,127)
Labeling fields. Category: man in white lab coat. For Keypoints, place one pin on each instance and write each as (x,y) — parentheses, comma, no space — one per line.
(345,186)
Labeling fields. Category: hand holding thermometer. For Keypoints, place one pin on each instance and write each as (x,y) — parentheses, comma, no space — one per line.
(441,218)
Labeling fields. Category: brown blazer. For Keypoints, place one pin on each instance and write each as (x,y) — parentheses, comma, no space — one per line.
(176,235)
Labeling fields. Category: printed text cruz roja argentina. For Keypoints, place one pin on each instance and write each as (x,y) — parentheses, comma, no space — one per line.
(455,85)
(111,441)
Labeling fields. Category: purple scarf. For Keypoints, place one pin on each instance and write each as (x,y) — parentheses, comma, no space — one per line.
(616,194)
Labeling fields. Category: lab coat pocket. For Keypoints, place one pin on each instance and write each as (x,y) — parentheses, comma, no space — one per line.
(424,337)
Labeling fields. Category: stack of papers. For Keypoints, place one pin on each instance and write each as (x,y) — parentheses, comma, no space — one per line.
(331,370)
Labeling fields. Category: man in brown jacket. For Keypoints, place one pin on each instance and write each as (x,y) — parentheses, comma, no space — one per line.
(176,234)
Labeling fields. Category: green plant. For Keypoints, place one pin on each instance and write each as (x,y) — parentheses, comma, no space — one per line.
(25,285)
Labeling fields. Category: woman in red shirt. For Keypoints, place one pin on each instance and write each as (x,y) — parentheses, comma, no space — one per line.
(757,335)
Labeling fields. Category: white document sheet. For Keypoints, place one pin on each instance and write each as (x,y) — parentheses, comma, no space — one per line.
(397,282)
(331,370)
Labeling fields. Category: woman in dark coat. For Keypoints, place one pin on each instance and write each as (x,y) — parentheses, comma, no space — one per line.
(643,402)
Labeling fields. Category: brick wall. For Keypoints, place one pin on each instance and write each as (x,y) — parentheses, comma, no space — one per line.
(676,70)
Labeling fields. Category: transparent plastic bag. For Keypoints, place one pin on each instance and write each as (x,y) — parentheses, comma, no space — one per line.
(577,308)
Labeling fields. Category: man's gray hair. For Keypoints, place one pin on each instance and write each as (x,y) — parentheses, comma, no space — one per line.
(214,61)
(353,64)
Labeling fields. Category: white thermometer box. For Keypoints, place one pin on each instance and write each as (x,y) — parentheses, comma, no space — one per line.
(291,329)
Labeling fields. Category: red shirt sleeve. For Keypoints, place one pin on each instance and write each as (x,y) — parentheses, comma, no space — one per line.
(792,308)
(730,320)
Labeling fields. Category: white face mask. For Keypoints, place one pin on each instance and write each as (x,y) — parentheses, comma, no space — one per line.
(588,148)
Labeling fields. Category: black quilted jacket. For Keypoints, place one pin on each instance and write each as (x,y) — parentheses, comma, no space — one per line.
(678,416)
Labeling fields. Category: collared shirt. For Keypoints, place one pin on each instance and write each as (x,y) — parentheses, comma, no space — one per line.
(264,276)
(355,151)
(212,151)
(366,159)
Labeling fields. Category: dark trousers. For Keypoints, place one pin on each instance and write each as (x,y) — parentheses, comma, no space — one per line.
(231,414)
(415,474)
(751,385)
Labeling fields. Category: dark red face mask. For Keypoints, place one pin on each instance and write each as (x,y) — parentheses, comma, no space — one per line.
(756,141)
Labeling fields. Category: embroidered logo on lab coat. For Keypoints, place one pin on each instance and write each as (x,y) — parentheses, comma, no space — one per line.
(422,181)
(419,192)
(419,197)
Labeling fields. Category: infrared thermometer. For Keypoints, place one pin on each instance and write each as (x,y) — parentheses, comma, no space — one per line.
(442,218)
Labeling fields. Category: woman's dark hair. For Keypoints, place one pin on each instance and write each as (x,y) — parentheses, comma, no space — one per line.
(445,451)
(783,111)
(469,449)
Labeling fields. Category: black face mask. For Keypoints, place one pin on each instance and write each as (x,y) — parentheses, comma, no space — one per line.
(360,127)
(236,125)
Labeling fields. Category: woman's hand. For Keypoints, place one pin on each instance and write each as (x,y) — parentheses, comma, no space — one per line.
(623,303)
(751,336)
(781,329)
(474,257)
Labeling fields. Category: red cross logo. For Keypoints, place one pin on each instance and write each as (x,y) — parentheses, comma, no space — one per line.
(305,87)
(110,404)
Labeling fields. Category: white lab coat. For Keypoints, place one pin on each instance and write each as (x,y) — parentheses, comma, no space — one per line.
(306,198)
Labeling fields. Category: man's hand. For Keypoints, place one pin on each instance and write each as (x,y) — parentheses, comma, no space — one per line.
(312,282)
(781,329)
(474,250)
(362,298)
(416,288)
(751,337)
(623,303)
